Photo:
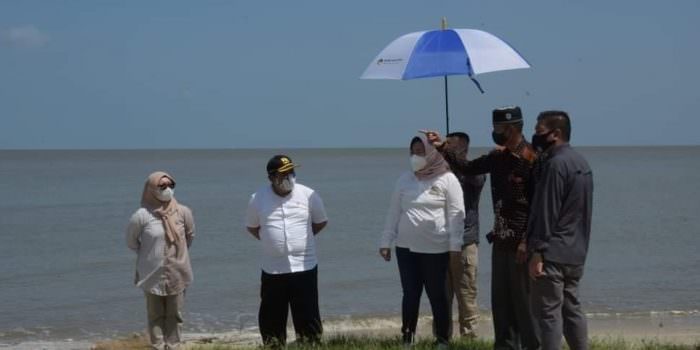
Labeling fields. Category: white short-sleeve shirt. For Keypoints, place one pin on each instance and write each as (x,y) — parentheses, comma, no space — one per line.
(288,243)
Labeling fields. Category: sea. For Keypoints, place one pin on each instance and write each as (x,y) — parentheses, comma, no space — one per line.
(66,274)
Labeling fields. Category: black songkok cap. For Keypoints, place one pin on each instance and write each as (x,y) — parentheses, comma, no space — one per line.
(507,115)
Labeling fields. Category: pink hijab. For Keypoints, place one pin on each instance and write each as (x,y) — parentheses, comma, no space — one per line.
(167,212)
(436,164)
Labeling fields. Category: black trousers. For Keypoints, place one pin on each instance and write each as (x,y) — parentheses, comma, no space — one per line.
(556,306)
(420,270)
(513,323)
(279,293)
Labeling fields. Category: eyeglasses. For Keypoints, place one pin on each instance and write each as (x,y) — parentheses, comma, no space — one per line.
(164,186)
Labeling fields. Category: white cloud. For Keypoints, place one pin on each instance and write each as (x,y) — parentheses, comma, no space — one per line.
(25,37)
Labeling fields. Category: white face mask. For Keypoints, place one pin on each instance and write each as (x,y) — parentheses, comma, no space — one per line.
(418,162)
(165,195)
(287,185)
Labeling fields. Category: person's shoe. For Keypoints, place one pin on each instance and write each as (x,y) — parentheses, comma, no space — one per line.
(469,335)
(408,340)
(441,346)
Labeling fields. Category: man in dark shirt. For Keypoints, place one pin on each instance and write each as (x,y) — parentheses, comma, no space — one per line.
(461,276)
(510,167)
(558,233)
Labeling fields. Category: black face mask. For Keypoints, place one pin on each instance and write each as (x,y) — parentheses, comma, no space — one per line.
(540,143)
(499,138)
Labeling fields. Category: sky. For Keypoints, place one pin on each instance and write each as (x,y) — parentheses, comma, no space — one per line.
(285,74)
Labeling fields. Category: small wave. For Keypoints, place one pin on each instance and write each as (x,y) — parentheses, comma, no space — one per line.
(644,314)
(67,344)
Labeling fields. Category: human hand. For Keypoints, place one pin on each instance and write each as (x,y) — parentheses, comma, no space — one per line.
(536,267)
(385,253)
(433,138)
(521,253)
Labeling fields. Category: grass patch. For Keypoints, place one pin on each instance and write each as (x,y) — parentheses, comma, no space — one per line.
(644,344)
(340,342)
(360,343)
(135,342)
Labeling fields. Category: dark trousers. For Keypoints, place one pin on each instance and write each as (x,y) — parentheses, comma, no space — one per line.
(556,306)
(513,323)
(279,293)
(420,270)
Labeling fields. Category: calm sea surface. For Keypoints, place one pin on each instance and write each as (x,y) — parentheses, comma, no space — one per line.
(65,271)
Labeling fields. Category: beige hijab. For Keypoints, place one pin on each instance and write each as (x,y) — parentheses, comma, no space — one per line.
(167,212)
(436,164)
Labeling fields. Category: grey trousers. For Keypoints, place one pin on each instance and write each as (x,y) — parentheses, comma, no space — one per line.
(513,323)
(164,318)
(556,306)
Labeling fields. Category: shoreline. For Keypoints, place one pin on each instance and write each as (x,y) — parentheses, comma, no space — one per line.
(667,327)
(672,327)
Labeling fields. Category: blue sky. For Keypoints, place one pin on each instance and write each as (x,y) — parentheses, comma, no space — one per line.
(263,74)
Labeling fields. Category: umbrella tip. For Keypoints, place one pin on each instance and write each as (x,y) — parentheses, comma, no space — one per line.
(443,23)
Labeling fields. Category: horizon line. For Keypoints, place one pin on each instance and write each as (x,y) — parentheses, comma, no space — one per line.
(305,148)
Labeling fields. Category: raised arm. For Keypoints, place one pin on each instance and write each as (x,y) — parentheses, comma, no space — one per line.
(481,165)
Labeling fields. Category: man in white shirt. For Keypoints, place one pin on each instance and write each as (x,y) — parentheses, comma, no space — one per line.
(286,216)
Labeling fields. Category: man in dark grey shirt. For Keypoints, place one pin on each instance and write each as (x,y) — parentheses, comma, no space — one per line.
(461,277)
(559,230)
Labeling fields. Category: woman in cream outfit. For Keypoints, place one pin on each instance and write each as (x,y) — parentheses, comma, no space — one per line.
(160,232)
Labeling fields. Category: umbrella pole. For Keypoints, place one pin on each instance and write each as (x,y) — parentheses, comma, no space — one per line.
(447,110)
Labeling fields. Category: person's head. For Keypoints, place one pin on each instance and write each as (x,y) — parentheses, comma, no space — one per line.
(159,190)
(417,147)
(553,128)
(458,142)
(507,124)
(417,151)
(425,160)
(280,172)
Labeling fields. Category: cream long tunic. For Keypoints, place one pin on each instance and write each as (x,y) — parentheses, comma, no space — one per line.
(161,269)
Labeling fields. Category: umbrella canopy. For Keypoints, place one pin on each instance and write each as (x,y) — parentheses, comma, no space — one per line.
(444,52)
(441,53)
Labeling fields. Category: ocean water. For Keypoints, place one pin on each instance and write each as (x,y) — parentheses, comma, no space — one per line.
(66,273)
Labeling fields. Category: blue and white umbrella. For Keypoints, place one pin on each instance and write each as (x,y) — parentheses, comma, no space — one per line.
(441,53)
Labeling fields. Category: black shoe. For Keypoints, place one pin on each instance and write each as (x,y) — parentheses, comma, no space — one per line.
(409,340)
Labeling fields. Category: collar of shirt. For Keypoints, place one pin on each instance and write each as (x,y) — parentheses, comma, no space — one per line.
(555,150)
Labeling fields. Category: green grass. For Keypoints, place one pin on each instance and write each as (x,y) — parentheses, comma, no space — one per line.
(367,343)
